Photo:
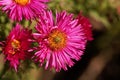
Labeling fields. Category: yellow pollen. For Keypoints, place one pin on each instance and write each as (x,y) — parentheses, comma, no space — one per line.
(15,45)
(22,2)
(57,40)
(12,51)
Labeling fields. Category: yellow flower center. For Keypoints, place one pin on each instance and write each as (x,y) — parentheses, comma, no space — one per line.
(15,45)
(22,2)
(57,40)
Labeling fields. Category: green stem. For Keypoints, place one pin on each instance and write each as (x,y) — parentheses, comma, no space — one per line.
(5,69)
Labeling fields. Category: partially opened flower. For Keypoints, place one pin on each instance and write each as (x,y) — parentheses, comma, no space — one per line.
(17,45)
(60,41)
(86,26)
(19,9)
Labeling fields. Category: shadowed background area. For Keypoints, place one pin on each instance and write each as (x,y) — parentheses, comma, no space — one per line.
(101,57)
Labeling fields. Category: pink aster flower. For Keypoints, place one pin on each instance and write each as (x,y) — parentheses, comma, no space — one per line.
(86,26)
(17,45)
(19,9)
(60,41)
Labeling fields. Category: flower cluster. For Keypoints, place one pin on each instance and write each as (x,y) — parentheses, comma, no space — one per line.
(60,40)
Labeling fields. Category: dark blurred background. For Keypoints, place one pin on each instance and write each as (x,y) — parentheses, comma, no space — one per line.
(102,55)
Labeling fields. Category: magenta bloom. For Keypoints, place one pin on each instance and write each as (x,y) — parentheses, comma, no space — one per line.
(17,46)
(86,26)
(60,41)
(19,9)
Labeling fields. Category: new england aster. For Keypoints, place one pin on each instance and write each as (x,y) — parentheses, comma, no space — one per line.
(17,45)
(86,26)
(60,41)
(19,9)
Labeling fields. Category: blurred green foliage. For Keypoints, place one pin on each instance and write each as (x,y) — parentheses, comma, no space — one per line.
(103,15)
